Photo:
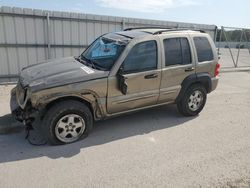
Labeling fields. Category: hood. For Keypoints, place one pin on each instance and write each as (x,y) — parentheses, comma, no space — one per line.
(58,72)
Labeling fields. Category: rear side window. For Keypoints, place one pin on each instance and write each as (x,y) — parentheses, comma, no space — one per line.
(177,51)
(203,49)
(142,57)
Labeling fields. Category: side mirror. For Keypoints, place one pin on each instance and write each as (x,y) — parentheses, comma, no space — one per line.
(121,70)
(122,85)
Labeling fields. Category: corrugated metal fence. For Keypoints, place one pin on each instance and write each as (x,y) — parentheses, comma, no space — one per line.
(28,36)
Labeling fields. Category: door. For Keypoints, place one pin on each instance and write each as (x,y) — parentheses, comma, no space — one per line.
(178,64)
(139,76)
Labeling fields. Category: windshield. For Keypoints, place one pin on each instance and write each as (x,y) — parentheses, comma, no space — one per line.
(103,52)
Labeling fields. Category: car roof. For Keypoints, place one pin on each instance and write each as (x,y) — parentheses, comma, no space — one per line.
(125,36)
(128,34)
(144,31)
(133,33)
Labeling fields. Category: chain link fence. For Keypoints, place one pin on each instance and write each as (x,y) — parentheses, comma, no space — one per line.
(233,47)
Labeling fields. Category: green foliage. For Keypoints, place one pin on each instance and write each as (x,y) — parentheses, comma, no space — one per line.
(233,35)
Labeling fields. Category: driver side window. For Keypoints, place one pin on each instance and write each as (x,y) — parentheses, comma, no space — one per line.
(142,57)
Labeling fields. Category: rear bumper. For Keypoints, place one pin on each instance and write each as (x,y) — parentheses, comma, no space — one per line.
(215,81)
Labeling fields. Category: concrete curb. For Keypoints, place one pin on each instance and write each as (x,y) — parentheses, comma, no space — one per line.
(8,125)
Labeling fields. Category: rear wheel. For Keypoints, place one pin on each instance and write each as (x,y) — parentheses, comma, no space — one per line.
(67,122)
(193,100)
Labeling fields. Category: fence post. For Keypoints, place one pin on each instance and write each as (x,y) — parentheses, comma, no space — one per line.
(235,65)
(241,35)
(221,30)
(123,24)
(215,33)
(48,36)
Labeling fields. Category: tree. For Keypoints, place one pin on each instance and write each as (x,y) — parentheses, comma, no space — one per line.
(233,35)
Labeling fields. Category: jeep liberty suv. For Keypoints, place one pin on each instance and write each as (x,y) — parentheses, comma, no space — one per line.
(119,72)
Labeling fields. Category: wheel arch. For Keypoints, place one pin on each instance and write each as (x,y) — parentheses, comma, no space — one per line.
(199,78)
(85,101)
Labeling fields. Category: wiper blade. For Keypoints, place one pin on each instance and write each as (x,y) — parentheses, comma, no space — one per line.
(89,61)
(86,61)
(94,64)
(80,60)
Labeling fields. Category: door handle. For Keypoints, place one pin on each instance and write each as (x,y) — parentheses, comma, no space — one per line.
(151,76)
(189,69)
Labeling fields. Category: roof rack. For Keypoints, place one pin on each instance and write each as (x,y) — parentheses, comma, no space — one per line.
(149,27)
(164,29)
(180,29)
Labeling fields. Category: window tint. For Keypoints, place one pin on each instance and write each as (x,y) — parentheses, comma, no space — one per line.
(177,51)
(203,49)
(142,57)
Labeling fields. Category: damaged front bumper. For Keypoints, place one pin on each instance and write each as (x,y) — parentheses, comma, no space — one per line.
(16,110)
(26,115)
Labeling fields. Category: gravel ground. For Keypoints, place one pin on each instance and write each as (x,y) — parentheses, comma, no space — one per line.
(152,148)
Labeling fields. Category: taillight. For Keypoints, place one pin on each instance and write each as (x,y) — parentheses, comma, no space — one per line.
(217,69)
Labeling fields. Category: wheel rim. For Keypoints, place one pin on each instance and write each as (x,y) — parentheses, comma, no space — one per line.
(69,128)
(195,100)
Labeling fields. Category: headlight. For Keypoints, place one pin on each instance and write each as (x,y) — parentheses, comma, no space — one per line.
(22,94)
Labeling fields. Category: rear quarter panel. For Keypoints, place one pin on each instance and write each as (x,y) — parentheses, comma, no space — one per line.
(206,66)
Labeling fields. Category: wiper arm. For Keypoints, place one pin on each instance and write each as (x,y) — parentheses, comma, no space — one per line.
(88,61)
(94,64)
(80,60)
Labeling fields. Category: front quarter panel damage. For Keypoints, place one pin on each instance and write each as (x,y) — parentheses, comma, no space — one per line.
(93,92)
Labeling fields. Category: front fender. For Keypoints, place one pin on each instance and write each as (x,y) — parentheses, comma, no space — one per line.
(41,101)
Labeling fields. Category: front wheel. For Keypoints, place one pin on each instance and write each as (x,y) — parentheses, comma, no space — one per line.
(193,100)
(67,122)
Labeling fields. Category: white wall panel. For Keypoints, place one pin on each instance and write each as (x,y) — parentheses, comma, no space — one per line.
(12,57)
(20,32)
(32,58)
(82,33)
(4,62)
(24,34)
(23,58)
(74,33)
(9,29)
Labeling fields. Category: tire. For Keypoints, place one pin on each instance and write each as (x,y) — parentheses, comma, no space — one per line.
(189,104)
(67,122)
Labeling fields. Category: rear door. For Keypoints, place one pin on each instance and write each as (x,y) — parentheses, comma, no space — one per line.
(142,74)
(178,63)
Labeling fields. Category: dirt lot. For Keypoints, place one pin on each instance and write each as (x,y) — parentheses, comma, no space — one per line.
(153,148)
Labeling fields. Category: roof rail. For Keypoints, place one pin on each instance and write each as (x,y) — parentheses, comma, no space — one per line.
(180,29)
(165,29)
(148,27)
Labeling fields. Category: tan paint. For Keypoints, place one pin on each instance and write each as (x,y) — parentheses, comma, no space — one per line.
(107,100)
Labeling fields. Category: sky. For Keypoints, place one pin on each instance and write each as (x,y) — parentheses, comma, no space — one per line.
(233,13)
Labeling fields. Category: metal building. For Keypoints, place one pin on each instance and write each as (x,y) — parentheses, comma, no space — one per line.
(28,36)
